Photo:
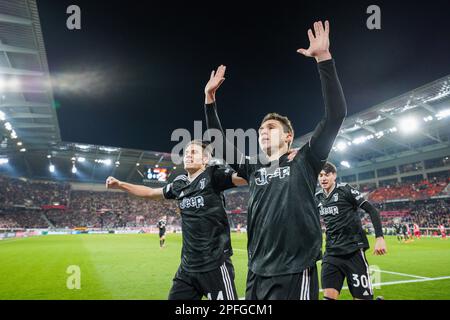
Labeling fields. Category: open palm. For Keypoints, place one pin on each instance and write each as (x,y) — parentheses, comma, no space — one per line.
(216,79)
(319,42)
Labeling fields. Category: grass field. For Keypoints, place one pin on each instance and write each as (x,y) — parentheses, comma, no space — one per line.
(134,267)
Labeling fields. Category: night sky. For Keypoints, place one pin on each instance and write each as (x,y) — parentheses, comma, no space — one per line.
(142,66)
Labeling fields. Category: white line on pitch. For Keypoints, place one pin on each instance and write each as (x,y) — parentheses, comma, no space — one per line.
(410,281)
(396,282)
(390,283)
(400,274)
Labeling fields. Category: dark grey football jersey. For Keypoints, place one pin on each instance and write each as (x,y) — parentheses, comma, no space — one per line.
(204,222)
(339,211)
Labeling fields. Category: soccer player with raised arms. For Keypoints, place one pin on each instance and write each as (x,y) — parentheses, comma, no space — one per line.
(206,268)
(284,233)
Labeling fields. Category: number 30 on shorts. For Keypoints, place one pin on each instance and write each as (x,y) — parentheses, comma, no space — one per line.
(360,280)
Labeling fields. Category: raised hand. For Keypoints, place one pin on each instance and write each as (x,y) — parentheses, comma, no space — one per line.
(112,183)
(215,80)
(319,42)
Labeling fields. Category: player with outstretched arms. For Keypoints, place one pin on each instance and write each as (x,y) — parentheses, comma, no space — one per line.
(206,268)
(284,232)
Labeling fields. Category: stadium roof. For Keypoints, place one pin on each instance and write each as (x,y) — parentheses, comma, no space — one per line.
(413,123)
(93,163)
(30,123)
(29,131)
(25,91)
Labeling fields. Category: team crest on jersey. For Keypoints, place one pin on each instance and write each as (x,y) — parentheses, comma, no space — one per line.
(202,183)
(335,197)
(265,178)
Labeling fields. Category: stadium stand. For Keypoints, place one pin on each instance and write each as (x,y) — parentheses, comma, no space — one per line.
(36,204)
(44,204)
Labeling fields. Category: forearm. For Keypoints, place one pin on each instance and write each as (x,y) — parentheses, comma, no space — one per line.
(374,217)
(210,98)
(139,191)
(212,118)
(335,110)
(229,153)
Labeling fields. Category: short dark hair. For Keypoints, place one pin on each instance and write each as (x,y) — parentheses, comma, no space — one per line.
(329,168)
(285,122)
(206,147)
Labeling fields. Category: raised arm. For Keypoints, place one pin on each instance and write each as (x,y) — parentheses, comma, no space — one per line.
(239,161)
(137,190)
(335,105)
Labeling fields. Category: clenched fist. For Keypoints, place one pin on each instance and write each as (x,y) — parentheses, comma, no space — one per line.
(112,183)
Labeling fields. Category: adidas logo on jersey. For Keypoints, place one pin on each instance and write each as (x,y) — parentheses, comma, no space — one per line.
(366,293)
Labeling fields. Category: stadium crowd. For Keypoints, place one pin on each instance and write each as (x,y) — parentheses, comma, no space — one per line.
(415,191)
(37,204)
(34,204)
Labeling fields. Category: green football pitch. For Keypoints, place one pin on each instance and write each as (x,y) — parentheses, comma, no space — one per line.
(134,267)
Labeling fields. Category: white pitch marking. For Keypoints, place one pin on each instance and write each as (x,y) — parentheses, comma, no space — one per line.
(401,274)
(395,282)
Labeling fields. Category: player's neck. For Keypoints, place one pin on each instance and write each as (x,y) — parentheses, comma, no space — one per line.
(272,156)
(330,189)
(194,174)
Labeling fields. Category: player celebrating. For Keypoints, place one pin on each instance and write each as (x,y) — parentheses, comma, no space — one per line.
(206,268)
(346,240)
(162,231)
(284,232)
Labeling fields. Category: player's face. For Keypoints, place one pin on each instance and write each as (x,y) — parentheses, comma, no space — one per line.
(327,179)
(272,137)
(194,157)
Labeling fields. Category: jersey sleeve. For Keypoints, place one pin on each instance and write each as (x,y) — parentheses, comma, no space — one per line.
(222,178)
(354,196)
(168,192)
(172,190)
(308,155)
(229,152)
(326,131)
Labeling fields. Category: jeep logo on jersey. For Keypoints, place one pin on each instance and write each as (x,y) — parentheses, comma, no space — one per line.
(265,178)
(194,202)
(324,211)
(202,183)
